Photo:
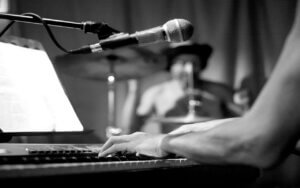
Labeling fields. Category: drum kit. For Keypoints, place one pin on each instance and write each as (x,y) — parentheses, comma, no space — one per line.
(124,64)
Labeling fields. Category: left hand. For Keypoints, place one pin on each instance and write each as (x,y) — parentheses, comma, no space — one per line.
(139,142)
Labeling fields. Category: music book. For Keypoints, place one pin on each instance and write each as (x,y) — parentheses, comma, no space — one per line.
(32,98)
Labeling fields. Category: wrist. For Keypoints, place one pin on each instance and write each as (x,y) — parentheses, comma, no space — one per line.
(164,145)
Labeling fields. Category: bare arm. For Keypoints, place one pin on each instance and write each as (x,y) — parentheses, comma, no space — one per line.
(264,136)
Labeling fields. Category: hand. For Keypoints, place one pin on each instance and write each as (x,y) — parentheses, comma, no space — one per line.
(139,142)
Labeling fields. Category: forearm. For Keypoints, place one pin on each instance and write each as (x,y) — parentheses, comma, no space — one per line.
(240,141)
(202,126)
(227,143)
(194,146)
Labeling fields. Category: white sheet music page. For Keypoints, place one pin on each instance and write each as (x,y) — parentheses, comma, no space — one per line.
(31,95)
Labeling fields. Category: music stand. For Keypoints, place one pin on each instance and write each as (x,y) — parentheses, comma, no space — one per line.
(32,106)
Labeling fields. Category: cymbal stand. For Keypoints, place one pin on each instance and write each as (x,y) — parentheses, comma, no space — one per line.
(111,129)
(192,102)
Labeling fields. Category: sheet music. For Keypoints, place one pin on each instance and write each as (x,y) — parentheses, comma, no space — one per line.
(31,95)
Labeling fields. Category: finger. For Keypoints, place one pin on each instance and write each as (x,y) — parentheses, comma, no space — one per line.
(108,143)
(114,140)
(113,149)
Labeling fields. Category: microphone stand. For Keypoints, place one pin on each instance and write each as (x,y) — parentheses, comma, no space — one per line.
(86,26)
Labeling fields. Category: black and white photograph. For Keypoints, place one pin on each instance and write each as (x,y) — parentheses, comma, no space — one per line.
(150,93)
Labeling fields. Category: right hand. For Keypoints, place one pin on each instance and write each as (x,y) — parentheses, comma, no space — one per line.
(139,142)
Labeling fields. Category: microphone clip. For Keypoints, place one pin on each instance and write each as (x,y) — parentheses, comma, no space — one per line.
(101,29)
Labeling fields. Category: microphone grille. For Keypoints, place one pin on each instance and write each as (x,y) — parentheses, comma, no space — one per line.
(178,30)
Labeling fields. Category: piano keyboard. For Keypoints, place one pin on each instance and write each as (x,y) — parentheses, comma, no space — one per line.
(61,153)
(75,163)
(28,157)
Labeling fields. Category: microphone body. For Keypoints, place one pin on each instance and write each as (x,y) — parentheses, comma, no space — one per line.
(177,30)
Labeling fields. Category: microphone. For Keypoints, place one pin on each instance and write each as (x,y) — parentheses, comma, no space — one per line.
(176,30)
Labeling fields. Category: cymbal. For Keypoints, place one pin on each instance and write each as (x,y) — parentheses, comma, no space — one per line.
(190,118)
(125,63)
